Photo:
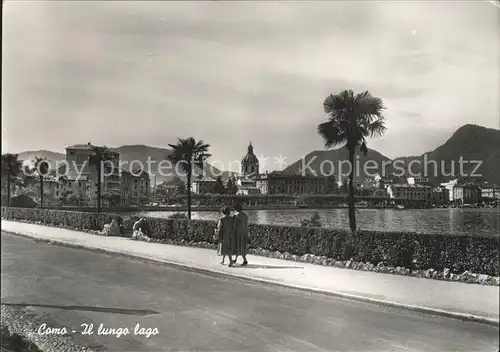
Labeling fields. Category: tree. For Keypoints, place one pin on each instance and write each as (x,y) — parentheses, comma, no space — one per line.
(188,153)
(219,186)
(64,197)
(99,156)
(351,119)
(41,168)
(11,168)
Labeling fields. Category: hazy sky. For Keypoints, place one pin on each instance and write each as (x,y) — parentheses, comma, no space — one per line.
(119,73)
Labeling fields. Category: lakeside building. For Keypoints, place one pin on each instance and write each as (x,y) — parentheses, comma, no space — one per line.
(489,192)
(384,182)
(76,190)
(410,192)
(81,176)
(466,193)
(277,182)
(203,185)
(135,187)
(418,181)
(246,186)
(449,187)
(440,196)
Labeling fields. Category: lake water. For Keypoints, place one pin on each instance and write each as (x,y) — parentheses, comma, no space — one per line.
(452,220)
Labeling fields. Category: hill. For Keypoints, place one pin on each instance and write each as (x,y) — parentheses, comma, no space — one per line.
(322,161)
(475,145)
(30,155)
(133,156)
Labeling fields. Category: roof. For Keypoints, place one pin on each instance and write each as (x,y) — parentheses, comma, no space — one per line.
(281,174)
(134,173)
(405,185)
(87,146)
(466,184)
(205,179)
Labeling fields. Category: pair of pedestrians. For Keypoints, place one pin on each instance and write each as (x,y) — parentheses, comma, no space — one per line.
(232,235)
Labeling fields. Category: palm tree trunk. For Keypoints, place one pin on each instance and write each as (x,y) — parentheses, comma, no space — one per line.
(8,188)
(41,191)
(188,184)
(351,203)
(99,187)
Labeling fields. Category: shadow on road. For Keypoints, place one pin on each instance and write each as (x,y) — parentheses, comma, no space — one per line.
(88,309)
(257,266)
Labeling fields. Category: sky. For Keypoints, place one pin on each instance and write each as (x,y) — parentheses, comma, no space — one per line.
(121,73)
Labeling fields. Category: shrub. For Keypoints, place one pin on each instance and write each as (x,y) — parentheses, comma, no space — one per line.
(64,218)
(178,216)
(22,201)
(404,249)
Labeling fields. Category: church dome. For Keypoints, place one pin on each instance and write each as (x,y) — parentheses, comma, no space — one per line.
(250,158)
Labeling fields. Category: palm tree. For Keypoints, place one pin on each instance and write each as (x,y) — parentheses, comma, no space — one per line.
(352,118)
(189,153)
(41,167)
(11,168)
(97,158)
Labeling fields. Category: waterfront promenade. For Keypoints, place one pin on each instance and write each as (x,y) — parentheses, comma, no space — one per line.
(437,297)
(65,287)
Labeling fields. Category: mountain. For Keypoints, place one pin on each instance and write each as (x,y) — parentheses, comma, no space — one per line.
(321,162)
(52,157)
(135,156)
(475,145)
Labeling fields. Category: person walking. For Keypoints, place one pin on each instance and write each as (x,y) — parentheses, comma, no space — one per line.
(225,235)
(241,234)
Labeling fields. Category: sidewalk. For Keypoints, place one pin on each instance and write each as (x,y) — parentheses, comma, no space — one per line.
(459,300)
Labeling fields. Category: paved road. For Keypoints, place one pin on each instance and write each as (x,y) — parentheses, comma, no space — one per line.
(194,312)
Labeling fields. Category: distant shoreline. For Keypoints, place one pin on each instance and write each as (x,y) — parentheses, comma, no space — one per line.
(217,208)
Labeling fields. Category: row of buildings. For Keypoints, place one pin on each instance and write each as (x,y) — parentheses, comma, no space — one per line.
(251,181)
(455,192)
(79,183)
(125,188)
(416,189)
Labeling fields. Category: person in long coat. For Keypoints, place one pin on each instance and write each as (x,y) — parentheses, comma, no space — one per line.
(225,235)
(241,234)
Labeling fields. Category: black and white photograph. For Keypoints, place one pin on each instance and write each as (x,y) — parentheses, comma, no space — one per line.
(250,176)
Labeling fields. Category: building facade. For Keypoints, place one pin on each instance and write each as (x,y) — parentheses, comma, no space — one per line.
(490,192)
(80,171)
(246,186)
(135,188)
(440,196)
(75,190)
(203,185)
(410,192)
(449,187)
(417,180)
(277,182)
(466,193)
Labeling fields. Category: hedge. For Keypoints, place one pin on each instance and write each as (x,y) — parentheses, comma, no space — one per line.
(475,254)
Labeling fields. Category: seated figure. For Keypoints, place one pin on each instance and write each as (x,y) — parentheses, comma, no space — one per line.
(111,229)
(140,229)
